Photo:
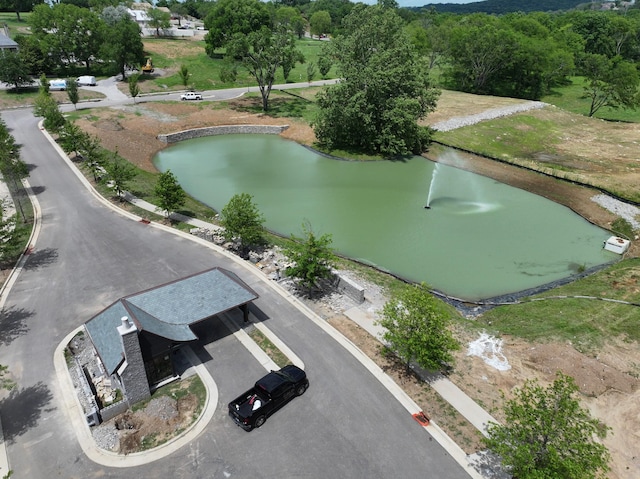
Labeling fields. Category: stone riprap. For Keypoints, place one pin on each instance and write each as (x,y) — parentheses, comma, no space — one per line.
(221,130)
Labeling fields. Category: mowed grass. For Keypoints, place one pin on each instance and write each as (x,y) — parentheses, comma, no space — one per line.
(572,98)
(585,323)
(11,20)
(204,71)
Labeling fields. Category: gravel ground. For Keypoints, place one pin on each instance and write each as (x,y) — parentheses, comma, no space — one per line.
(460,121)
(627,211)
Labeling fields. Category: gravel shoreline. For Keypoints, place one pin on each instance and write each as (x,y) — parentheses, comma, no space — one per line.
(493,113)
(627,211)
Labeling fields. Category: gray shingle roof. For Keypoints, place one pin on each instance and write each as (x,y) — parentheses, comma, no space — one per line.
(168,310)
(6,42)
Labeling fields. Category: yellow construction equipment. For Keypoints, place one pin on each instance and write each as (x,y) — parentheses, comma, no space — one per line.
(148,68)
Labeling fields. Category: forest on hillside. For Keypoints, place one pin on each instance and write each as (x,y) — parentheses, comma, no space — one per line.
(505,6)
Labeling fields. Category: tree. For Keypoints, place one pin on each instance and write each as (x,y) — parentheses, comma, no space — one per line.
(320,23)
(19,6)
(35,59)
(385,88)
(13,70)
(547,434)
(243,221)
(14,170)
(184,75)
(72,92)
(72,137)
(94,155)
(120,173)
(479,49)
(134,87)
(292,19)
(46,106)
(325,62)
(67,33)
(312,257)
(170,194)
(612,83)
(261,53)
(289,58)
(5,383)
(124,48)
(416,328)
(311,71)
(227,18)
(159,19)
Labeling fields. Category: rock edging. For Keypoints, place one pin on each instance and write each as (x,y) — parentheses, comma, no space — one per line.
(221,130)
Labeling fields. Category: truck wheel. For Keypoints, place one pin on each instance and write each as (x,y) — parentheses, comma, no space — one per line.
(301,389)
(260,421)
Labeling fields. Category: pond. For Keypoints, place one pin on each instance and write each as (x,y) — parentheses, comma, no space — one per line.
(479,238)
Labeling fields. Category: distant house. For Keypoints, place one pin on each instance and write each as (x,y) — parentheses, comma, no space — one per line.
(5,42)
(136,336)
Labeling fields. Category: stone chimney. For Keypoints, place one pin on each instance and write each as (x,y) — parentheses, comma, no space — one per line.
(132,372)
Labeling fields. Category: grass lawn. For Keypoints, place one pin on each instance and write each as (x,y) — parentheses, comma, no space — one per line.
(15,26)
(571,98)
(170,54)
(585,323)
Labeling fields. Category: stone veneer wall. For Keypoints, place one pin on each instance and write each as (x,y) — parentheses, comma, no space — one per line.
(134,377)
(221,130)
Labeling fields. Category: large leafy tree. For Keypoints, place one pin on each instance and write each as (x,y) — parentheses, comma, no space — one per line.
(416,328)
(159,19)
(548,435)
(312,257)
(320,22)
(242,221)
(479,49)
(227,18)
(124,48)
(170,194)
(610,82)
(261,53)
(13,69)
(291,18)
(67,33)
(384,89)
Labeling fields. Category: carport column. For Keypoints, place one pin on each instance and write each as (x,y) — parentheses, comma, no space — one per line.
(132,372)
(245,312)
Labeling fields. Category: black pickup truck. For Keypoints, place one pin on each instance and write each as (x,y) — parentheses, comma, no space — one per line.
(251,409)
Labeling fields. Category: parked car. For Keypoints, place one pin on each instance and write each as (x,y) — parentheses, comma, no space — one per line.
(190,95)
(57,85)
(251,409)
(86,80)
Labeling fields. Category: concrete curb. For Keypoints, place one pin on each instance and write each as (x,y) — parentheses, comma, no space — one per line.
(73,409)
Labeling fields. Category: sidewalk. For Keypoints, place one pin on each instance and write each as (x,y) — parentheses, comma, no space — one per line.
(451,393)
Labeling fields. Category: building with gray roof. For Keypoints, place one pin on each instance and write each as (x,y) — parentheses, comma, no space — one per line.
(136,336)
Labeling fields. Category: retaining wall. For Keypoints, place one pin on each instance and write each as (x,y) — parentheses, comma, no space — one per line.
(351,289)
(221,130)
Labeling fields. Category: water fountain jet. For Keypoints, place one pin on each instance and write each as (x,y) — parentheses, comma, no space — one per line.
(434,174)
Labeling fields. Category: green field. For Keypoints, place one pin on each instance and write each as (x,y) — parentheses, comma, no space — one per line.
(15,26)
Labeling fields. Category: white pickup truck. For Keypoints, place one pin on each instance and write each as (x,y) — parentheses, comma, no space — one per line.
(191,95)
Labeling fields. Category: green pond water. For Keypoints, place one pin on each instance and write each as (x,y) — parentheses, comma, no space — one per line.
(479,239)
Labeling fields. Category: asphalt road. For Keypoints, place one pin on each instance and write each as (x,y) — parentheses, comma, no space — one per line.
(87,256)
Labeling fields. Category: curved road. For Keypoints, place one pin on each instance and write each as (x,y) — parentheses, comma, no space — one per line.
(87,256)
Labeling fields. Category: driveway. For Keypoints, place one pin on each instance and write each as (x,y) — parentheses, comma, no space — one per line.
(88,256)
